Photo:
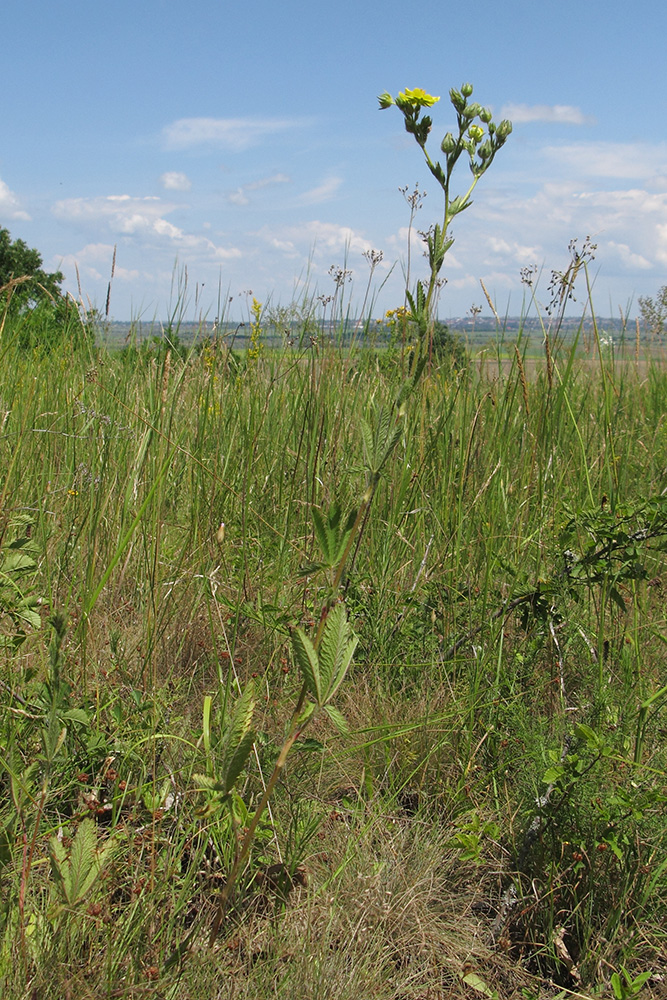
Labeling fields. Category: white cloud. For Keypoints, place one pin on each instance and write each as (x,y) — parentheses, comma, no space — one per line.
(510,250)
(121,213)
(235,134)
(634,261)
(141,218)
(173,180)
(323,237)
(10,205)
(323,192)
(267,182)
(86,262)
(559,114)
(621,160)
(240,197)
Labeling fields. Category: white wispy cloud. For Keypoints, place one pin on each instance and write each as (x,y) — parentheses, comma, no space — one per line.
(323,192)
(235,134)
(629,226)
(121,213)
(318,237)
(173,180)
(94,261)
(621,160)
(560,114)
(140,218)
(633,261)
(10,206)
(240,195)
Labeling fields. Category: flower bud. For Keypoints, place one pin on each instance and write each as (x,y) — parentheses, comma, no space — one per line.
(457,100)
(448,144)
(476,133)
(504,129)
(472,110)
(485,115)
(466,89)
(386,100)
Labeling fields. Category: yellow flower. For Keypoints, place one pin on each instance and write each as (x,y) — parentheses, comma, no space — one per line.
(417,98)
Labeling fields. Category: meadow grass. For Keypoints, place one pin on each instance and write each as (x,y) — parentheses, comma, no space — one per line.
(491,823)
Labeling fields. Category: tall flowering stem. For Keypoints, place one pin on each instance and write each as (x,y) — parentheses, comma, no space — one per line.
(479,138)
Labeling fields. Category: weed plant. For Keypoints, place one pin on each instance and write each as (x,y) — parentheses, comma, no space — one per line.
(325,677)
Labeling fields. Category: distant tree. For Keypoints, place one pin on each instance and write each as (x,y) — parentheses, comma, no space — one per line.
(447,347)
(41,316)
(17,262)
(654,313)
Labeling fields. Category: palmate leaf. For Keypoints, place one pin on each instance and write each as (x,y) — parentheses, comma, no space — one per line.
(76,874)
(307,660)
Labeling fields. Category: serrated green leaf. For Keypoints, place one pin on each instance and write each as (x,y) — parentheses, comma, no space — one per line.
(367,443)
(345,662)
(323,534)
(338,719)
(310,568)
(306,713)
(335,635)
(552,775)
(345,535)
(241,723)
(307,660)
(205,781)
(80,871)
(238,760)
(310,744)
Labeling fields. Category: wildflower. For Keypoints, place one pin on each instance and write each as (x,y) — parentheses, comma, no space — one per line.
(416,98)
(408,100)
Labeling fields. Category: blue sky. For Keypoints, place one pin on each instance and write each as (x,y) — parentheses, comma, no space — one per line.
(246,145)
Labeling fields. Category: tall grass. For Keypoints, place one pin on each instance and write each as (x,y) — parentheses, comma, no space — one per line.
(494,818)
